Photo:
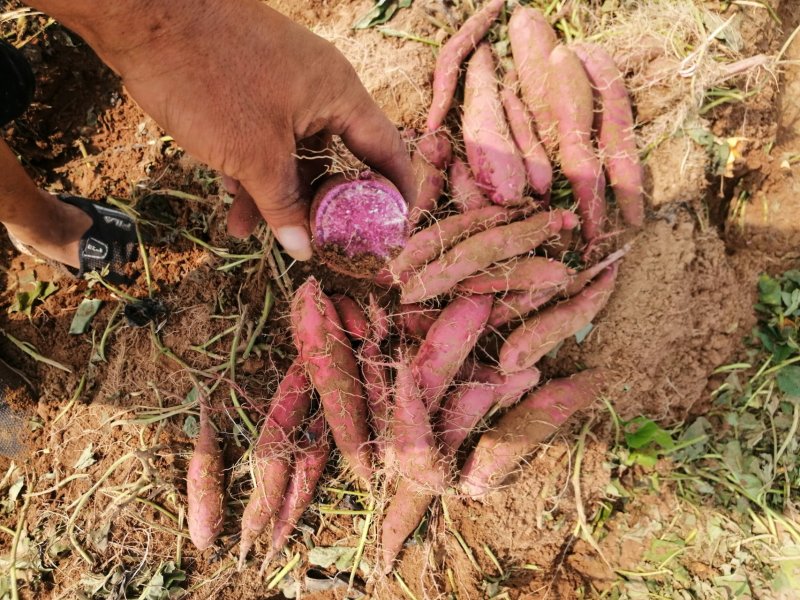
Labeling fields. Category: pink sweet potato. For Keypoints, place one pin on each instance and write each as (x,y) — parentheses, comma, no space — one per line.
(375,371)
(544,331)
(534,273)
(570,98)
(415,320)
(310,459)
(452,54)
(204,485)
(516,305)
(523,428)
(415,452)
(352,317)
(359,224)
(404,513)
(272,454)
(492,154)
(532,40)
(331,364)
(538,169)
(429,243)
(464,408)
(483,250)
(581,280)
(615,138)
(447,345)
(433,155)
(464,192)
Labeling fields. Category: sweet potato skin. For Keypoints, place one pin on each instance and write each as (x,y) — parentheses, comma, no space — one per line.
(534,273)
(491,152)
(452,54)
(404,513)
(205,485)
(616,138)
(352,317)
(430,160)
(570,97)
(331,364)
(310,458)
(538,170)
(482,250)
(523,427)
(272,454)
(447,345)
(532,40)
(517,305)
(465,194)
(541,333)
(415,320)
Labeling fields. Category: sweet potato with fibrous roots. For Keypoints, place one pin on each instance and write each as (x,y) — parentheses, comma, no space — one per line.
(615,136)
(428,244)
(570,98)
(415,320)
(358,225)
(331,364)
(491,152)
(538,169)
(432,156)
(544,331)
(523,428)
(415,453)
(448,343)
(534,273)
(272,453)
(310,459)
(352,317)
(581,280)
(482,250)
(204,485)
(404,513)
(375,373)
(532,40)
(465,194)
(516,305)
(452,54)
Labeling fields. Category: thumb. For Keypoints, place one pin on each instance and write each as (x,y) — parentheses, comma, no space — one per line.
(277,194)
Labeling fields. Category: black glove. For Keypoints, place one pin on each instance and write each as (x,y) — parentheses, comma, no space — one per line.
(17,83)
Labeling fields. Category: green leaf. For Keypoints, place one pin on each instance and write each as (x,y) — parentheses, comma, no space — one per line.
(87,309)
(582,333)
(381,13)
(327,556)
(788,380)
(86,458)
(647,432)
(769,290)
(191,426)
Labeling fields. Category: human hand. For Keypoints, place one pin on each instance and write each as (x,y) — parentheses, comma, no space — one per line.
(242,88)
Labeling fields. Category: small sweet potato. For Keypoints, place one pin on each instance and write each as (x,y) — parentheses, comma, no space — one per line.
(447,345)
(581,279)
(404,513)
(430,160)
(415,320)
(452,54)
(492,154)
(523,428)
(482,250)
(331,364)
(516,305)
(465,194)
(205,479)
(352,317)
(544,331)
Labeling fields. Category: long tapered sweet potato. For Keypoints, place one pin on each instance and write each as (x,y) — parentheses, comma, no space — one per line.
(523,428)
(452,54)
(415,453)
(204,485)
(581,279)
(271,458)
(492,154)
(615,136)
(532,40)
(310,458)
(430,160)
(465,194)
(482,250)
(331,364)
(516,305)
(375,372)
(404,513)
(533,273)
(429,243)
(570,96)
(447,344)
(544,331)
(538,169)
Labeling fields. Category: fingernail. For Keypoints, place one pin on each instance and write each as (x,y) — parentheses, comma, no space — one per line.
(295,240)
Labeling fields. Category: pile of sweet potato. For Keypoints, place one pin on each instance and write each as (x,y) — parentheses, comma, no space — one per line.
(400,396)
